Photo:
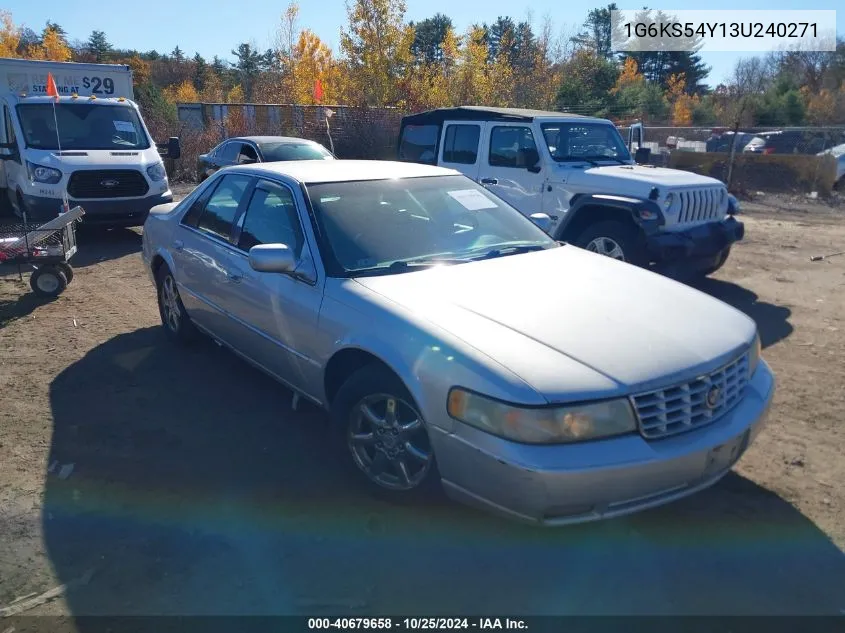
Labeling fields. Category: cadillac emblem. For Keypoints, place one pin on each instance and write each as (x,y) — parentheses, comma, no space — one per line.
(712,397)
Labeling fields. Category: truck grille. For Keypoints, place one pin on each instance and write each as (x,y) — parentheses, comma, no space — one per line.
(107,183)
(693,404)
(700,205)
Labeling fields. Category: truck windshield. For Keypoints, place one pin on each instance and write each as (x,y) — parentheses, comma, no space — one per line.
(82,126)
(585,141)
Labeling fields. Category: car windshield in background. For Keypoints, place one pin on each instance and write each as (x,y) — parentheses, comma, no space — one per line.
(386,226)
(82,126)
(294,151)
(585,141)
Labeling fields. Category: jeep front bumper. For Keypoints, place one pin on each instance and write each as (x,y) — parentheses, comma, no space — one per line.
(699,243)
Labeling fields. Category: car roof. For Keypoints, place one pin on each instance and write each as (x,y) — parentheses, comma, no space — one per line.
(317,171)
(259,140)
(484,113)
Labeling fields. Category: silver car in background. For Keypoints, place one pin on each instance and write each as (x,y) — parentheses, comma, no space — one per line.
(414,305)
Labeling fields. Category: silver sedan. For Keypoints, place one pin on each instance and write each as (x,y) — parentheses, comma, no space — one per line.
(456,346)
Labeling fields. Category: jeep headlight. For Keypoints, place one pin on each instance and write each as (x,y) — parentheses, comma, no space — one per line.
(667,203)
(542,425)
(39,173)
(156,172)
(754,355)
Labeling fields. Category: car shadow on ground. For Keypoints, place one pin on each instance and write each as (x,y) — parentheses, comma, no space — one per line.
(25,301)
(195,489)
(98,244)
(772,320)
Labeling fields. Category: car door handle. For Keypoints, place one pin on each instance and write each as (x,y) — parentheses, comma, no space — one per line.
(235,278)
(489,181)
(178,245)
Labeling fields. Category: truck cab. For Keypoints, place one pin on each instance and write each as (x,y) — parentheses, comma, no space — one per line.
(88,147)
(579,172)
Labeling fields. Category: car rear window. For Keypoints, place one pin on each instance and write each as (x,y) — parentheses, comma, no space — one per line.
(419,144)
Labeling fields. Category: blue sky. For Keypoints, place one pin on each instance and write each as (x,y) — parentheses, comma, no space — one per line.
(215,27)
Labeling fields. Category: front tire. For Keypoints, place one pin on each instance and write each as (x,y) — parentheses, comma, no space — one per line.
(721,262)
(48,282)
(614,239)
(383,437)
(177,324)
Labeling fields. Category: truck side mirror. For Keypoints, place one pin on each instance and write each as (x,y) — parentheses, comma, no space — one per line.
(642,155)
(174,147)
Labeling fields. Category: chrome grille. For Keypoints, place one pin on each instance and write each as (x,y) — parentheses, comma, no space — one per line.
(685,407)
(700,205)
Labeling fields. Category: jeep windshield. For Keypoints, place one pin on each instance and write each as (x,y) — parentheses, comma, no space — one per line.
(82,126)
(590,142)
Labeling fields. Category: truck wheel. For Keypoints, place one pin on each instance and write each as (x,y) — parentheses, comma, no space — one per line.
(48,282)
(614,239)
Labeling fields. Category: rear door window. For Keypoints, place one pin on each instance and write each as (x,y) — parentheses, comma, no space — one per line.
(247,154)
(219,214)
(460,144)
(419,144)
(512,146)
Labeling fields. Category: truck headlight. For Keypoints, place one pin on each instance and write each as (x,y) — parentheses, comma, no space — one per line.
(542,425)
(157,172)
(667,203)
(754,355)
(39,173)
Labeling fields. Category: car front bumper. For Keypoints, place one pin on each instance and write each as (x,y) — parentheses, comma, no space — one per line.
(562,484)
(126,212)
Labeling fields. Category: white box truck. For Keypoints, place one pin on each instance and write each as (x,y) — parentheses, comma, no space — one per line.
(90,145)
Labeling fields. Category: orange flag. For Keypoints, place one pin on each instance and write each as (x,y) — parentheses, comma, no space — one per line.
(318,91)
(52,91)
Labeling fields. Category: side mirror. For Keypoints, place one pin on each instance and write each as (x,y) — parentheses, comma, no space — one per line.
(642,155)
(174,147)
(542,220)
(272,258)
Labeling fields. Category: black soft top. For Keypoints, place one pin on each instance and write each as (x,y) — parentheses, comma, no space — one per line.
(480,113)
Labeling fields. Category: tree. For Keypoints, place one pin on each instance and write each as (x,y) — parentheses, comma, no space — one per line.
(599,29)
(178,55)
(60,33)
(658,64)
(376,45)
(249,65)
(98,45)
(184,92)
(10,35)
(313,61)
(53,48)
(201,72)
(429,35)
(588,82)
(501,37)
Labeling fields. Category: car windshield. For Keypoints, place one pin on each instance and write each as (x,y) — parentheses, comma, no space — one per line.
(585,141)
(82,126)
(294,151)
(388,226)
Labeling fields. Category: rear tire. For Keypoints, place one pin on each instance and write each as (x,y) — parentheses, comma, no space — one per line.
(174,318)
(614,239)
(386,446)
(48,282)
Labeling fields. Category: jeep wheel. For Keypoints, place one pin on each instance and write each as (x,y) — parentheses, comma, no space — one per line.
(614,239)
(719,263)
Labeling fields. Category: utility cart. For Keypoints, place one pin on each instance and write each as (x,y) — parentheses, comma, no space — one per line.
(48,248)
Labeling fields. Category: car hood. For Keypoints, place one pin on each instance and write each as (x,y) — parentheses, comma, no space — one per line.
(634,328)
(656,176)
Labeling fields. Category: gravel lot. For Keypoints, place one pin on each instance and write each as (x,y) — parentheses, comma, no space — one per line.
(194,488)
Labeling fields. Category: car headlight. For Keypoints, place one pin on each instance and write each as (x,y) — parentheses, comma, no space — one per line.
(542,425)
(157,172)
(39,173)
(754,355)
(667,203)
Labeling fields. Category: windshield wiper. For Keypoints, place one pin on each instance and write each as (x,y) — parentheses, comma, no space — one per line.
(402,266)
(503,251)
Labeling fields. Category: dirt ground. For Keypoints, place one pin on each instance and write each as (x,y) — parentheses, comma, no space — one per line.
(144,479)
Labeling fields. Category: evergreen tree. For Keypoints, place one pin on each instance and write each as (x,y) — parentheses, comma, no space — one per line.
(98,45)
